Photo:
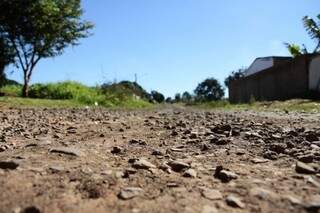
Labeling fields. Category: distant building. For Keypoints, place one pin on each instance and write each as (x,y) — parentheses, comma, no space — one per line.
(278,78)
(266,62)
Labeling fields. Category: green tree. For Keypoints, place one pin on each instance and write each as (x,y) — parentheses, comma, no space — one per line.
(186,97)
(295,50)
(157,96)
(169,100)
(235,75)
(38,29)
(6,57)
(177,97)
(209,90)
(313,29)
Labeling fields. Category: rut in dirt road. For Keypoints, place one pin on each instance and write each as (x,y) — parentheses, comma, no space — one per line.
(170,160)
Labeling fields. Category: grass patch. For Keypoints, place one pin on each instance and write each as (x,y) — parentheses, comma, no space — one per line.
(30,102)
(295,105)
(223,104)
(48,103)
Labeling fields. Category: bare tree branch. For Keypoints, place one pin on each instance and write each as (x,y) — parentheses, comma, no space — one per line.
(33,64)
(18,54)
(24,52)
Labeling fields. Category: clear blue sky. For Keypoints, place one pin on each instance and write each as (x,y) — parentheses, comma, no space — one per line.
(173,45)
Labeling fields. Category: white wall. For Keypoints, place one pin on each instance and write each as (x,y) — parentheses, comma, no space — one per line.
(314,74)
(259,64)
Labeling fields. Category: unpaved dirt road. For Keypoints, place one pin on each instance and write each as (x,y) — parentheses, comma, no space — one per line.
(167,160)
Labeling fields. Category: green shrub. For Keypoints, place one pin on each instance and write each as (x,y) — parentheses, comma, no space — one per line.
(112,96)
(157,96)
(11,90)
(124,90)
(67,90)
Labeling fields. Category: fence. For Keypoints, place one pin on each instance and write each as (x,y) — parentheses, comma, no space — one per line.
(285,81)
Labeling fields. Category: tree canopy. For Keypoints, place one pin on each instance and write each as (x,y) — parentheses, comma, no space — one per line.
(6,53)
(209,90)
(169,100)
(38,29)
(6,57)
(186,97)
(177,97)
(157,96)
(235,75)
(313,29)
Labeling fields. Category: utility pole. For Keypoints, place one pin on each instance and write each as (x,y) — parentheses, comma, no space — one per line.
(136,78)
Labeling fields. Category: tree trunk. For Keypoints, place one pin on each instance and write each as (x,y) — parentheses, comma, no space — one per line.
(25,89)
(2,74)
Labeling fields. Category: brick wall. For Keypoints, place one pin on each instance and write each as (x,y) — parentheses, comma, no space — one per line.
(285,81)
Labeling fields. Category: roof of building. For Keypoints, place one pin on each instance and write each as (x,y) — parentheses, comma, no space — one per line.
(279,58)
(273,57)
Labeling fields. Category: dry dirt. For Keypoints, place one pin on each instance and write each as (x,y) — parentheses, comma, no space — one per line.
(167,160)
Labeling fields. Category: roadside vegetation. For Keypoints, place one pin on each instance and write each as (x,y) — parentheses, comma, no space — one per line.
(70,93)
(294,105)
(128,94)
